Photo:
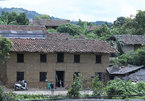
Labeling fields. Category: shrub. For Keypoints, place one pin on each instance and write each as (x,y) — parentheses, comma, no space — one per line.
(70,28)
(119,88)
(140,87)
(74,90)
(97,86)
(133,58)
(7,96)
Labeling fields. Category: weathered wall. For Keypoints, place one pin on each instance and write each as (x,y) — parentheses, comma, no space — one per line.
(3,76)
(127,48)
(32,66)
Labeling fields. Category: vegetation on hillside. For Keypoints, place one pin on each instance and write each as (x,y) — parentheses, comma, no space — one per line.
(29,14)
(43,16)
(70,28)
(13,19)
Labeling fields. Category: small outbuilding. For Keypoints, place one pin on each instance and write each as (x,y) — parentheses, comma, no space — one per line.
(130,72)
(128,42)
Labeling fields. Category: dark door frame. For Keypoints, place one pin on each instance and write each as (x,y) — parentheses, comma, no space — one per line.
(63,79)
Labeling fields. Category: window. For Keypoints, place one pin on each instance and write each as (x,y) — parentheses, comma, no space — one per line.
(60,57)
(20,76)
(111,77)
(76,58)
(98,58)
(43,57)
(43,76)
(20,58)
(99,74)
(76,73)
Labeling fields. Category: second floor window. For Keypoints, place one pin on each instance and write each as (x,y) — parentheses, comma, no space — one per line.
(76,58)
(20,58)
(43,57)
(60,57)
(98,58)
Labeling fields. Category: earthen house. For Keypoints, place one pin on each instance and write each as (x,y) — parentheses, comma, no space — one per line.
(38,56)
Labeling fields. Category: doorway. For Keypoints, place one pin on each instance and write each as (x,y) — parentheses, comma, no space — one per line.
(59,79)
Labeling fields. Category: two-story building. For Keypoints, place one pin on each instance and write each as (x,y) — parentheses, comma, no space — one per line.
(38,56)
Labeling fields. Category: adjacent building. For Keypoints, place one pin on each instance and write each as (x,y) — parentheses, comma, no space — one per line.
(130,72)
(38,56)
(129,42)
(48,23)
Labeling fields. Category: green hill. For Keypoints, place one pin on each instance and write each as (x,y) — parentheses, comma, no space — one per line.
(30,14)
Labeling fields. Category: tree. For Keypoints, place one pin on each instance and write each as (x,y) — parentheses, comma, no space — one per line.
(130,25)
(43,16)
(13,18)
(22,19)
(5,47)
(97,86)
(120,21)
(70,28)
(103,32)
(140,22)
(133,58)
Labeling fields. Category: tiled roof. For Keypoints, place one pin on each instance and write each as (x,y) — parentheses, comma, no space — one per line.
(131,39)
(48,22)
(55,42)
(23,27)
(124,70)
(64,45)
(58,36)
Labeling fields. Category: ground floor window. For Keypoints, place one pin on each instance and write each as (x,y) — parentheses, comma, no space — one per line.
(75,73)
(111,77)
(101,75)
(20,76)
(43,76)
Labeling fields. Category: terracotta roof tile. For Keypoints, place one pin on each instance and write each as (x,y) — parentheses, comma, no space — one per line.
(23,27)
(49,22)
(55,42)
(65,45)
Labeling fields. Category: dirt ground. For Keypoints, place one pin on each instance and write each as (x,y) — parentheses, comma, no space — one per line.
(35,91)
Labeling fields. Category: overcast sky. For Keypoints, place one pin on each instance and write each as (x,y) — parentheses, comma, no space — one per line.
(86,10)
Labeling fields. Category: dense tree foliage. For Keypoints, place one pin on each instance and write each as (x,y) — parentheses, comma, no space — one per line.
(43,16)
(132,25)
(97,86)
(133,58)
(13,18)
(122,89)
(70,28)
(5,47)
